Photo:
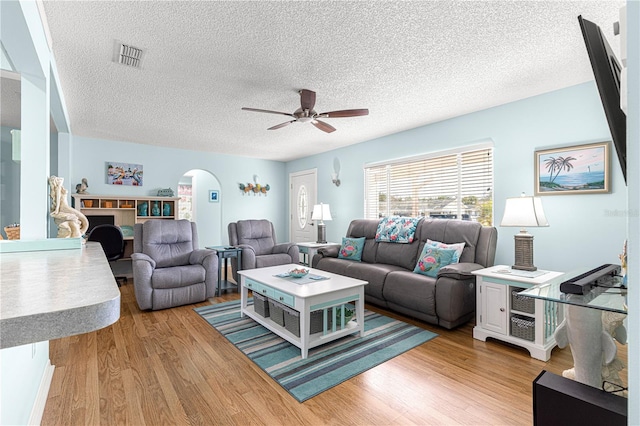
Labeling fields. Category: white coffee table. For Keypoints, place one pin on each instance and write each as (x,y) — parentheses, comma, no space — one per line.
(304,298)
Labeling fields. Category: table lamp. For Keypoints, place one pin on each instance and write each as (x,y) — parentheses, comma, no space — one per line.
(524,212)
(321,212)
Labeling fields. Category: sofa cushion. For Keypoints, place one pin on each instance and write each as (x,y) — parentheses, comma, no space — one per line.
(272,260)
(396,229)
(256,233)
(351,248)
(432,259)
(374,273)
(453,231)
(413,291)
(458,247)
(403,255)
(365,228)
(168,243)
(178,276)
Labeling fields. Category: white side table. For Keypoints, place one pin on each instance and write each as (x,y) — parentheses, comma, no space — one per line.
(309,250)
(504,315)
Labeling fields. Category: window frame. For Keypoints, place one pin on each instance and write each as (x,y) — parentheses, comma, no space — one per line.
(455,181)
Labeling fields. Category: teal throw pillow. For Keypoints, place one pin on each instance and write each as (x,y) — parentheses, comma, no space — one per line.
(432,259)
(351,248)
(458,247)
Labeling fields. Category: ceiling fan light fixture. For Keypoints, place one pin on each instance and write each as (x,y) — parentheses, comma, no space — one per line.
(306,113)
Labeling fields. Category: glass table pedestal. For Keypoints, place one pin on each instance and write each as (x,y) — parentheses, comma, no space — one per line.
(592,324)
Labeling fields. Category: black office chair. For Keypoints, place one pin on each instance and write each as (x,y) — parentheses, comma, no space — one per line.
(112,241)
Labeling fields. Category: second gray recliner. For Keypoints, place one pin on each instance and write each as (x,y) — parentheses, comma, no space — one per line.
(257,239)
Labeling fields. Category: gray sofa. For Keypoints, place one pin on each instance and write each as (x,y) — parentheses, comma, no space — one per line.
(447,300)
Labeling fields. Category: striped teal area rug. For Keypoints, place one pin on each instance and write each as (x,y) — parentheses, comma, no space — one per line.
(327,365)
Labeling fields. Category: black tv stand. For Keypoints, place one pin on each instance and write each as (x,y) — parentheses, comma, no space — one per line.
(564,402)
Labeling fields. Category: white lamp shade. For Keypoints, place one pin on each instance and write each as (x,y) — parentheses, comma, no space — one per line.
(321,212)
(524,212)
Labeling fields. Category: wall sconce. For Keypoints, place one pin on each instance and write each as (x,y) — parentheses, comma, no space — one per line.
(335,179)
(336,172)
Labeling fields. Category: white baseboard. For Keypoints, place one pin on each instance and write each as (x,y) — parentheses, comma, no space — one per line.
(43,393)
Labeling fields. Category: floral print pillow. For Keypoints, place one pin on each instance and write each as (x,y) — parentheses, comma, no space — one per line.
(432,259)
(458,247)
(351,248)
(396,229)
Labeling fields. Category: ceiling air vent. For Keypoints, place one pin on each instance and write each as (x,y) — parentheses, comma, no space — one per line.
(129,55)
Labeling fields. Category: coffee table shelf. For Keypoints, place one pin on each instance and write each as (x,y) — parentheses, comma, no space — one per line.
(315,339)
(305,298)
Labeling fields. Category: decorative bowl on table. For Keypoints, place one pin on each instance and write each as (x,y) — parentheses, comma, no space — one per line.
(298,272)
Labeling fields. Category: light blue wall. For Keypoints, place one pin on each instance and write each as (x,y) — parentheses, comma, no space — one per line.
(164,167)
(22,368)
(633,218)
(9,182)
(584,229)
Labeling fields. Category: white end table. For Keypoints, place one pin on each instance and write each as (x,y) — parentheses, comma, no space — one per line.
(309,250)
(496,315)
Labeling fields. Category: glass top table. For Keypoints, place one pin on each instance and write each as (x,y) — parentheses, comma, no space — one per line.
(613,298)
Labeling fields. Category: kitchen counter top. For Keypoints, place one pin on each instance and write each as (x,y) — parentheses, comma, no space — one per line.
(51,294)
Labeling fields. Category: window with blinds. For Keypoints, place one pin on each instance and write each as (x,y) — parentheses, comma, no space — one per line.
(452,186)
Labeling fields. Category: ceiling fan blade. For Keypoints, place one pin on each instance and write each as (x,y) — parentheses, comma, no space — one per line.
(307,99)
(345,113)
(268,111)
(323,126)
(281,125)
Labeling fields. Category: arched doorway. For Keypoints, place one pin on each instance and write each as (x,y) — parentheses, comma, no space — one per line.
(196,204)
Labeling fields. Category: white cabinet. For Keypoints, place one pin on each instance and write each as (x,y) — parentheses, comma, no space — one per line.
(504,315)
(494,297)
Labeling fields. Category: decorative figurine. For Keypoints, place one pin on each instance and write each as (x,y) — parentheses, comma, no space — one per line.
(71,222)
(143,208)
(81,188)
(166,210)
(155,210)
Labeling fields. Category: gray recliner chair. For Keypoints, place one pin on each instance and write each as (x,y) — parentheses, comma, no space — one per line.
(257,239)
(168,268)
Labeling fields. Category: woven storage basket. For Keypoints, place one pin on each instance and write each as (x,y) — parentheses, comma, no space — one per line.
(522,303)
(276,312)
(317,320)
(524,328)
(13,233)
(292,321)
(261,305)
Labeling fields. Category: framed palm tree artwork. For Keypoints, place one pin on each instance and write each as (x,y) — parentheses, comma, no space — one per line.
(581,169)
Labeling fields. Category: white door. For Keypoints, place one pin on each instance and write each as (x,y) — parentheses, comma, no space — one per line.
(301,201)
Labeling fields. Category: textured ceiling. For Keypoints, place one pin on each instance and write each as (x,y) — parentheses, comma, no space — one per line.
(410,63)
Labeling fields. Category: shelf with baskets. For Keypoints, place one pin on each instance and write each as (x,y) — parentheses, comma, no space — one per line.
(503,314)
(126,210)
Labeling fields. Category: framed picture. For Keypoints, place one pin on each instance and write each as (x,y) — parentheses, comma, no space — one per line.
(214,196)
(124,174)
(581,169)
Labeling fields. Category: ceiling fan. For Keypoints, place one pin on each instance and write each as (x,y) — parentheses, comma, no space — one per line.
(306,113)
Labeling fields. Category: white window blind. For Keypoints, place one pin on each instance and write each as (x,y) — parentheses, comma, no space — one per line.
(450,186)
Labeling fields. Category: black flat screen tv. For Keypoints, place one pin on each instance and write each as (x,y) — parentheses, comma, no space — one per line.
(606,70)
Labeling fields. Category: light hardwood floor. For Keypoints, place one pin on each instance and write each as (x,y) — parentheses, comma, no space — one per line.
(171,367)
